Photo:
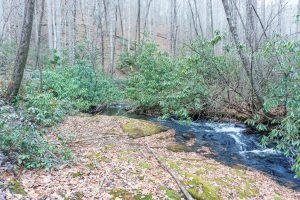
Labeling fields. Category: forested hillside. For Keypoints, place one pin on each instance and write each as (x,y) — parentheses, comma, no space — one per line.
(149,99)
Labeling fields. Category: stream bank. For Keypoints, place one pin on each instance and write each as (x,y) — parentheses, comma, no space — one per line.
(111,164)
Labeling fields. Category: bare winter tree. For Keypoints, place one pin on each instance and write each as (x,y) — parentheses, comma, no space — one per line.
(247,64)
(49,21)
(58,31)
(71,19)
(22,53)
(209,19)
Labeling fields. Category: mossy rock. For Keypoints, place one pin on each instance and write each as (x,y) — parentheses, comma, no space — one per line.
(179,148)
(140,128)
(16,187)
(201,189)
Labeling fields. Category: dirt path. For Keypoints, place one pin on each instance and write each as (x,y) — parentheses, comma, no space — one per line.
(114,165)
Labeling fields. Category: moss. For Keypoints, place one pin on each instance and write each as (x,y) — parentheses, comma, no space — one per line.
(140,128)
(205,168)
(97,156)
(16,187)
(179,148)
(201,189)
(248,190)
(145,165)
(172,194)
(120,193)
(78,196)
(277,197)
(143,197)
(125,195)
(173,165)
(76,174)
(91,166)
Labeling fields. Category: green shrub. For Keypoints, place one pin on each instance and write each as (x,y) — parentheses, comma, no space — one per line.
(68,88)
(24,145)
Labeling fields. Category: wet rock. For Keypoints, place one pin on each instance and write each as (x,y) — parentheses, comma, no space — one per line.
(188,136)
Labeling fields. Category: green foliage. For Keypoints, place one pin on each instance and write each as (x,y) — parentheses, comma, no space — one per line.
(24,145)
(283,97)
(67,88)
(162,84)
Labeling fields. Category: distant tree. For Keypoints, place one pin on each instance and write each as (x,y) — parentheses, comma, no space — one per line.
(22,53)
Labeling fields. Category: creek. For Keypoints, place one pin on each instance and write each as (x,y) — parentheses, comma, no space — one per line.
(229,144)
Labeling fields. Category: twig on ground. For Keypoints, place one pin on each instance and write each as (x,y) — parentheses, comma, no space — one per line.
(174,176)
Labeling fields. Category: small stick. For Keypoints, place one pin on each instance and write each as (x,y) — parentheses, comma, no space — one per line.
(182,188)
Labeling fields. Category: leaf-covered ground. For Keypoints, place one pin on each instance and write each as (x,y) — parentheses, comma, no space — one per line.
(112,162)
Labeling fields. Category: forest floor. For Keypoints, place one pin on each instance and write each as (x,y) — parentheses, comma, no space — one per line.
(112,161)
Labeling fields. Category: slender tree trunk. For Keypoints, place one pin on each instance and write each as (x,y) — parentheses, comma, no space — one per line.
(22,53)
(193,18)
(279,19)
(50,28)
(298,16)
(113,34)
(209,19)
(139,22)
(58,11)
(71,30)
(198,17)
(147,14)
(244,58)
(263,12)
(39,31)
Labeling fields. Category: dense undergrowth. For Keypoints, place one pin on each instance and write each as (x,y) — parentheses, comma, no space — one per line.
(65,90)
(197,80)
(201,80)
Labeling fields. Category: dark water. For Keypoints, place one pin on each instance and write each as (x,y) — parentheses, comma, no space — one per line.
(230,145)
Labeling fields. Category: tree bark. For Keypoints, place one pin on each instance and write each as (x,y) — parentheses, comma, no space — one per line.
(39,31)
(209,19)
(22,53)
(138,23)
(71,30)
(58,31)
(49,23)
(244,58)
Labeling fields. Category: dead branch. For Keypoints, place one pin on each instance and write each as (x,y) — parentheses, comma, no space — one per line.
(174,176)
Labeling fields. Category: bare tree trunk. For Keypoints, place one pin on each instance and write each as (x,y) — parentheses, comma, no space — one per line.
(21,57)
(147,14)
(279,24)
(71,30)
(113,34)
(138,24)
(209,19)
(49,21)
(58,11)
(39,31)
(263,12)
(193,18)
(1,18)
(198,17)
(244,58)
(298,15)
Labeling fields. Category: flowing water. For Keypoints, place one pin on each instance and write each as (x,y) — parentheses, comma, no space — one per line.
(229,145)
